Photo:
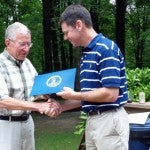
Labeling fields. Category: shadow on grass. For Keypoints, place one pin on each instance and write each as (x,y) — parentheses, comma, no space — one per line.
(56,133)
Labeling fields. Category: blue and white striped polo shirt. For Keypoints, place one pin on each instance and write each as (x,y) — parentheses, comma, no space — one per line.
(102,65)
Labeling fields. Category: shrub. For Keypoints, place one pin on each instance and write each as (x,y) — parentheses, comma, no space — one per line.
(138,80)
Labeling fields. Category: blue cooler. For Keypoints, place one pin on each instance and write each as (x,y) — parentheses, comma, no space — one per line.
(140,136)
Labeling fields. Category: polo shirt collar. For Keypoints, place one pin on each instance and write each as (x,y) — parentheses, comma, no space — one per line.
(92,43)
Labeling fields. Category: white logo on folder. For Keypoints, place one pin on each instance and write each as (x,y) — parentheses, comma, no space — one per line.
(54,81)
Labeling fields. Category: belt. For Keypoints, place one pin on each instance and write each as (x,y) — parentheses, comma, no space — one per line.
(98,112)
(15,118)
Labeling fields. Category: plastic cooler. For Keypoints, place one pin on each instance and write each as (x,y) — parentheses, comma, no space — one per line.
(140,136)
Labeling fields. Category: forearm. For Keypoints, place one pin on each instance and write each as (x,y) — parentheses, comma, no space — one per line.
(70,104)
(99,95)
(14,104)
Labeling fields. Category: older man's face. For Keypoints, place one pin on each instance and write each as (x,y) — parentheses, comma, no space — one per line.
(19,48)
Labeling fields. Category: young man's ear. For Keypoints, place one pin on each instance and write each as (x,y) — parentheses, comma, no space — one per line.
(79,25)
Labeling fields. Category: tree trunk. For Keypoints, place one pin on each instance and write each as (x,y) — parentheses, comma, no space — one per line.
(120,24)
(47,35)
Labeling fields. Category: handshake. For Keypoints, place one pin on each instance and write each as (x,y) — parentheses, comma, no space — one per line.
(51,107)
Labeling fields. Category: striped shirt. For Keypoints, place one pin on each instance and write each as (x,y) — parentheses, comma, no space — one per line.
(16,79)
(102,65)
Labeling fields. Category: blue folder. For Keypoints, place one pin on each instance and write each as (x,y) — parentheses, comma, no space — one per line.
(54,82)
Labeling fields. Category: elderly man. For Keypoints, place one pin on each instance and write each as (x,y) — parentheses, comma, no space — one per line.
(16,78)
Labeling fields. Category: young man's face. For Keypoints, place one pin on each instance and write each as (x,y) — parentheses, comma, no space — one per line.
(71,34)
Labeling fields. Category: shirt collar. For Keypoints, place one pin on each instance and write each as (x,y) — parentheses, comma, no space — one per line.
(92,43)
(12,59)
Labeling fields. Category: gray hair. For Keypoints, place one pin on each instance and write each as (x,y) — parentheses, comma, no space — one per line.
(16,28)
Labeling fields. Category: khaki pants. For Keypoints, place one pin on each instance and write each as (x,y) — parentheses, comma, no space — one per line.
(16,135)
(107,131)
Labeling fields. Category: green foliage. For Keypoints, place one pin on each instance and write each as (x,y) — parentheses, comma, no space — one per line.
(29,13)
(137,33)
(138,80)
(103,15)
(80,127)
(104,20)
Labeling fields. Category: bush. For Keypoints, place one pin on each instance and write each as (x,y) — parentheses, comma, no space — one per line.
(138,80)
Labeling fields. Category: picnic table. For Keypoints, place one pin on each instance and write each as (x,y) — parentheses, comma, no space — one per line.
(135,107)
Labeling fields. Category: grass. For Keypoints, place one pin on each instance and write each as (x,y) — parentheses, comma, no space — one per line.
(58,133)
(58,141)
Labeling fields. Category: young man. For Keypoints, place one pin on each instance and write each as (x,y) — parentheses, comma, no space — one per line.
(16,78)
(102,81)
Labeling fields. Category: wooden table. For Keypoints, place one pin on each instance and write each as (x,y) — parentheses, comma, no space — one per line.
(135,107)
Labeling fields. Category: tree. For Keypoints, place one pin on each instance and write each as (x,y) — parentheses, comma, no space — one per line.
(138,29)
(120,24)
(56,54)
(47,35)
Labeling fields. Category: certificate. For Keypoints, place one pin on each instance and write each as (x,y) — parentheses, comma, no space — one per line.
(54,82)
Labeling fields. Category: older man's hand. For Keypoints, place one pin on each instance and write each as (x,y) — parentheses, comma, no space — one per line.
(55,108)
